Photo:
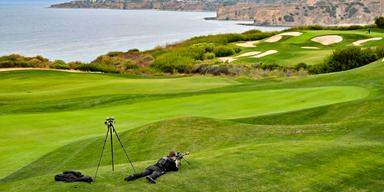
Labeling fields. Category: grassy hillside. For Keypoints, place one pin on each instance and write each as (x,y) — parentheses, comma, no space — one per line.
(316,133)
(302,133)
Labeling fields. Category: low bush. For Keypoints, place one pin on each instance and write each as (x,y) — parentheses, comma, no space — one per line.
(380,51)
(223,51)
(21,61)
(345,59)
(60,64)
(97,67)
(379,21)
(208,56)
(318,27)
(170,63)
(301,66)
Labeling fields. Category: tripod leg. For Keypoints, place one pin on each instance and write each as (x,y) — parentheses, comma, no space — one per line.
(186,161)
(110,133)
(126,153)
(101,153)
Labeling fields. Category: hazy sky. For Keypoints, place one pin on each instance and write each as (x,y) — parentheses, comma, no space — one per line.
(47,2)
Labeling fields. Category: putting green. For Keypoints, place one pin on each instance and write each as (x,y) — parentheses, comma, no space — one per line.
(32,135)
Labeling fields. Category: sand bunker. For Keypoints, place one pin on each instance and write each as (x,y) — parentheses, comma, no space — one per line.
(274,39)
(310,47)
(254,54)
(270,52)
(227,59)
(278,37)
(230,59)
(359,42)
(328,39)
(45,69)
(248,44)
(249,54)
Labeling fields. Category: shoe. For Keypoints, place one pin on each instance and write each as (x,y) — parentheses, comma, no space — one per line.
(150,179)
(129,178)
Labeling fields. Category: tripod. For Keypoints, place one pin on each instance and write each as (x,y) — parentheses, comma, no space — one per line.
(110,128)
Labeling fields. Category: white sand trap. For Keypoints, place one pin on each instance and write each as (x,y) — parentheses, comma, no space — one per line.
(328,39)
(230,59)
(227,59)
(310,47)
(43,69)
(359,42)
(274,39)
(270,52)
(249,54)
(278,37)
(248,44)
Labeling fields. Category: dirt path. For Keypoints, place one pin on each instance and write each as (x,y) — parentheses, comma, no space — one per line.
(328,39)
(360,42)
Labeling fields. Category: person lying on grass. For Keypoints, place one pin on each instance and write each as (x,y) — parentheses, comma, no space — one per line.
(165,164)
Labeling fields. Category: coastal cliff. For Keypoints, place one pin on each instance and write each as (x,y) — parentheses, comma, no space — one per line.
(310,12)
(175,5)
(262,12)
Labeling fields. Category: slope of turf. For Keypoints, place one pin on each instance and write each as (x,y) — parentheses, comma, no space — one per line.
(41,132)
(333,141)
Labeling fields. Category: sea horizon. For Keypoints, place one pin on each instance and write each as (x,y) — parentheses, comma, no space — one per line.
(30,28)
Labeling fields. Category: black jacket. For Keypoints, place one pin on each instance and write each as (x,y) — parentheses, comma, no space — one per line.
(166,164)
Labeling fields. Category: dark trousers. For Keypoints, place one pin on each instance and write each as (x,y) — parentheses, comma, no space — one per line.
(152,171)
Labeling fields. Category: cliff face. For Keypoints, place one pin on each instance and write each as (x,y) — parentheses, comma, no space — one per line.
(262,12)
(310,12)
(177,5)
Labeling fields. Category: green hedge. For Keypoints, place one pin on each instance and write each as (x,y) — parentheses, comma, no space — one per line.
(348,58)
(379,22)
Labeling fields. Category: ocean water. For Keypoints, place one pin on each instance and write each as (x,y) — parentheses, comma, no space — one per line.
(29,28)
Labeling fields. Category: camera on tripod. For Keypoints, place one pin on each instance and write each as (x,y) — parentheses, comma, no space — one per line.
(109,121)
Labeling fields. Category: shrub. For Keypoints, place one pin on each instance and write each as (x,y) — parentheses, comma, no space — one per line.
(380,51)
(20,61)
(379,21)
(237,49)
(300,66)
(209,56)
(317,27)
(206,47)
(288,18)
(170,63)
(223,51)
(114,54)
(74,64)
(60,64)
(97,67)
(345,59)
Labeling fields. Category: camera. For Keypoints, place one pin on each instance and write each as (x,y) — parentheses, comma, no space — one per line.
(109,121)
(180,155)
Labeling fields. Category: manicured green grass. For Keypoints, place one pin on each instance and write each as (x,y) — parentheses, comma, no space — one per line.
(314,133)
(291,53)
(64,126)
